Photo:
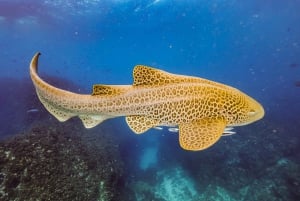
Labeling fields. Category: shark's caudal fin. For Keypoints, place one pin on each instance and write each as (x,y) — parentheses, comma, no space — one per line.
(89,121)
(43,90)
(54,99)
(58,113)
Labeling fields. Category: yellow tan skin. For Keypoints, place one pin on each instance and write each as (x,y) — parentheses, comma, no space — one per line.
(201,108)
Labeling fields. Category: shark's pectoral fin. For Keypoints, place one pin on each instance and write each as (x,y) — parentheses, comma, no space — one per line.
(90,121)
(140,124)
(59,114)
(201,134)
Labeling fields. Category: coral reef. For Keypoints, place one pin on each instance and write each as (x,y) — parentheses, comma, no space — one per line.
(260,163)
(171,185)
(174,184)
(279,182)
(54,161)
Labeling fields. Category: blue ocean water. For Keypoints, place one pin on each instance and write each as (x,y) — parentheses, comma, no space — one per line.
(251,45)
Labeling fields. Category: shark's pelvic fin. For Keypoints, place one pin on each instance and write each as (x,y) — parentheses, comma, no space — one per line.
(140,124)
(201,134)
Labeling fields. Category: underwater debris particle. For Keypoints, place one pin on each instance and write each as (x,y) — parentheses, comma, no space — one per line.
(297,84)
(294,65)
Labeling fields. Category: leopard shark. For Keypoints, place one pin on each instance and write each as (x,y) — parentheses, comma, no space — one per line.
(201,109)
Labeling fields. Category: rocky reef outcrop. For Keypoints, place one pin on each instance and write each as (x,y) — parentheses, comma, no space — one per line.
(54,161)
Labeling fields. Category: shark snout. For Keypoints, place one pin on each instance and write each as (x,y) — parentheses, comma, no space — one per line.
(256,112)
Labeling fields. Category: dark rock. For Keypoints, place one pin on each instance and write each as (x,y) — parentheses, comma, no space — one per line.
(60,162)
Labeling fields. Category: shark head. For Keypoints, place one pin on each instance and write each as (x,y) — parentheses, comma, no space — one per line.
(251,111)
(255,111)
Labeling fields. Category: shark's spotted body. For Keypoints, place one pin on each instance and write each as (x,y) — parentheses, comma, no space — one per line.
(200,108)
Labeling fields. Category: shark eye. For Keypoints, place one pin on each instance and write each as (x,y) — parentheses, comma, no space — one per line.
(252,112)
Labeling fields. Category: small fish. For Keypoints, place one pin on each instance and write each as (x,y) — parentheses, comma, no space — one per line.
(173,130)
(34,110)
(228,131)
(158,128)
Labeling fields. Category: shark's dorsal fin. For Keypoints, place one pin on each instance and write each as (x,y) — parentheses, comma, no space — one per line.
(145,75)
(148,76)
(108,90)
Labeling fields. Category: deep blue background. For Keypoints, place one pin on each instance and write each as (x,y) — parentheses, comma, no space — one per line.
(252,45)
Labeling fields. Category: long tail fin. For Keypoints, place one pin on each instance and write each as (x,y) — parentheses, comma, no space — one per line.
(59,102)
(43,89)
